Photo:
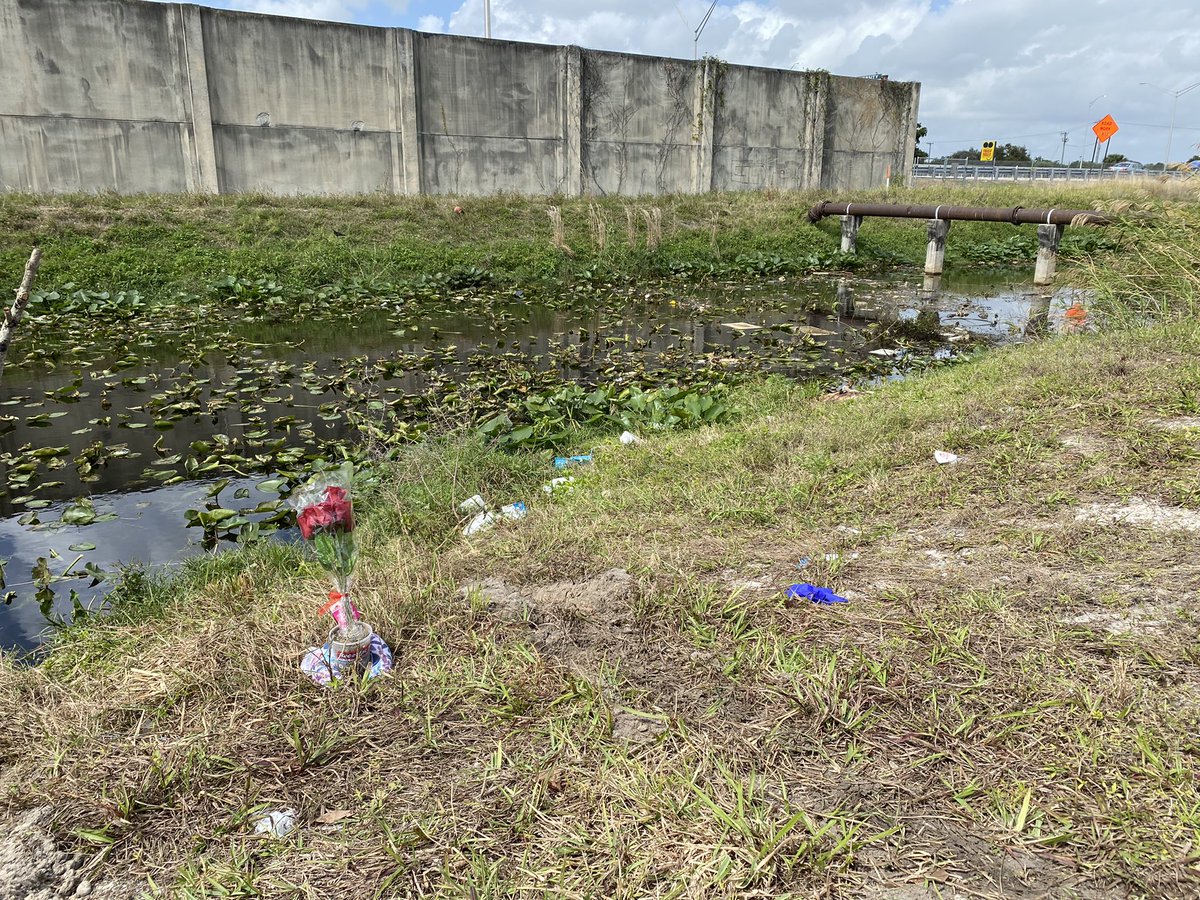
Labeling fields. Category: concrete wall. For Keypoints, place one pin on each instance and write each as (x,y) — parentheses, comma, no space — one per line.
(639,124)
(862,119)
(133,96)
(327,91)
(490,116)
(770,129)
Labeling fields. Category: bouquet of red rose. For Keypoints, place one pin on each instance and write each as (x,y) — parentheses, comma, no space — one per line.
(325,515)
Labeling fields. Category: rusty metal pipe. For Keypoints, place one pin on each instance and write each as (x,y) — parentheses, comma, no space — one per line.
(1017,215)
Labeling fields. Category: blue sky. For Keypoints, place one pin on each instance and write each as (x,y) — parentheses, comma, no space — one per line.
(1016,71)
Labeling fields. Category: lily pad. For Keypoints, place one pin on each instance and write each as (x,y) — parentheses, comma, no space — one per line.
(81,512)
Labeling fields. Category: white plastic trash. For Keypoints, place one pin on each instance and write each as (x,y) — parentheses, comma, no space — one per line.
(563,483)
(628,437)
(944,457)
(515,511)
(481,522)
(279,823)
(474,504)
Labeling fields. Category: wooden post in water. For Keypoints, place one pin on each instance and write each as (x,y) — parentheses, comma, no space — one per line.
(850,226)
(935,253)
(1039,315)
(12,315)
(845,298)
(1049,237)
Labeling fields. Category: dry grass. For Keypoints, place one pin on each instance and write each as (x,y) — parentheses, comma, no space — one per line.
(1158,277)
(1006,708)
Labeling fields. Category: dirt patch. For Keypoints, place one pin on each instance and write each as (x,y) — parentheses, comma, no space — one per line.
(603,598)
(944,860)
(1084,444)
(747,582)
(33,868)
(578,622)
(503,600)
(1184,423)
(1141,513)
(1140,619)
(633,727)
(590,625)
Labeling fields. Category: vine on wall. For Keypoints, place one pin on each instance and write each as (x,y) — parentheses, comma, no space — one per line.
(713,86)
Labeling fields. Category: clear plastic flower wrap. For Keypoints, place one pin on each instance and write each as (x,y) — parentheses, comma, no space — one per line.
(325,516)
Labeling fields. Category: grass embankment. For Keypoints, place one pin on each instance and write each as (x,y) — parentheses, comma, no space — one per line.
(163,245)
(1007,706)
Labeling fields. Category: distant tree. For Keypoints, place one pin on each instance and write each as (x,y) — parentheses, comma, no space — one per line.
(921,132)
(1012,153)
(1113,158)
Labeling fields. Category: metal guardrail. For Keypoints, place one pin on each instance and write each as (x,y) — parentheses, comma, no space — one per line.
(964,172)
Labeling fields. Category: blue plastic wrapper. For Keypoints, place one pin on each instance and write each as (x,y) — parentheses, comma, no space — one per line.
(815,594)
(562,462)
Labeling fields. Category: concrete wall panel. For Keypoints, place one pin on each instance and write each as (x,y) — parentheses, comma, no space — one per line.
(761,108)
(491,116)
(759,131)
(480,88)
(866,131)
(480,165)
(103,59)
(302,160)
(755,168)
(315,74)
(639,124)
(59,155)
(632,169)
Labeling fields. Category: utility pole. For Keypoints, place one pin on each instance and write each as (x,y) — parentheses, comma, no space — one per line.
(1063,157)
(1096,144)
(699,29)
(1174,108)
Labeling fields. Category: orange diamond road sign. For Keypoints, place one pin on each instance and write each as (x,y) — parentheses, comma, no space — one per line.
(1105,128)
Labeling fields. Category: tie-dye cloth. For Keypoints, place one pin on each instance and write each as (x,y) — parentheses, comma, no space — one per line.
(317,663)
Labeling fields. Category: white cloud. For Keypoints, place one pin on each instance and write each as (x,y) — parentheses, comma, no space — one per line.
(334,10)
(327,10)
(1021,71)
